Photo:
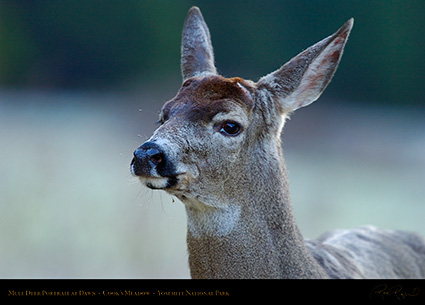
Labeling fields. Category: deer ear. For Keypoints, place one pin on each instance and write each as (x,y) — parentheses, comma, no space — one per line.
(302,80)
(197,57)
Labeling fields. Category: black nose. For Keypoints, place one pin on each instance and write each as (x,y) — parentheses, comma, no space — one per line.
(151,152)
(147,157)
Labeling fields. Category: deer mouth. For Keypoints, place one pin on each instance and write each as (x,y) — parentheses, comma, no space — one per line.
(159,183)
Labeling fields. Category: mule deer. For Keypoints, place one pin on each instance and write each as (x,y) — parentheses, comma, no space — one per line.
(218,150)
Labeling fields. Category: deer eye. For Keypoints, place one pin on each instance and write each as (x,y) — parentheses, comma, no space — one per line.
(230,128)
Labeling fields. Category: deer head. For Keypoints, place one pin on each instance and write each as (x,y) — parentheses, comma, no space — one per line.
(218,146)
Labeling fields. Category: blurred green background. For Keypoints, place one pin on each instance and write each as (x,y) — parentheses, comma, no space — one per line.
(81,84)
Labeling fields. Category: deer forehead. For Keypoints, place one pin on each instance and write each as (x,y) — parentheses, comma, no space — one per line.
(202,99)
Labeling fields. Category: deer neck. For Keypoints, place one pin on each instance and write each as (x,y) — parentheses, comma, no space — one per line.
(253,235)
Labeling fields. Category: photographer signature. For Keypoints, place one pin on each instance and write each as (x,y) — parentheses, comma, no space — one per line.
(396,291)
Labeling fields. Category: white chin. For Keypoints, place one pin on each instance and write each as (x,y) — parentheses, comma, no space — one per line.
(155,183)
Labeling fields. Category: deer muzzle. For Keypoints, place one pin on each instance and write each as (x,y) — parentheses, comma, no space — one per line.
(152,165)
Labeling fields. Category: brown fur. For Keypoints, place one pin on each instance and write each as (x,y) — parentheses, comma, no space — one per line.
(201,99)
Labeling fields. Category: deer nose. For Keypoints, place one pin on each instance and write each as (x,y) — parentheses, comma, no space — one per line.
(155,156)
(147,157)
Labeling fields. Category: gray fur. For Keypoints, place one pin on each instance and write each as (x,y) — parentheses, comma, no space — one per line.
(234,185)
(369,252)
(197,51)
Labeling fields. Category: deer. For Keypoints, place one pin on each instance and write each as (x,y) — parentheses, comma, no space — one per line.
(218,150)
